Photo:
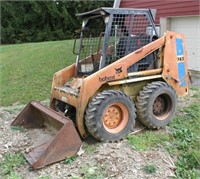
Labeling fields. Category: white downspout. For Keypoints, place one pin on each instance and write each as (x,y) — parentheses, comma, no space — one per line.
(116,3)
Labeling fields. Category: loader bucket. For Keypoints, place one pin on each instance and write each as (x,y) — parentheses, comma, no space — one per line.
(65,143)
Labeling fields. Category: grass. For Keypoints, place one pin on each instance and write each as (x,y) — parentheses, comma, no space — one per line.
(90,148)
(149,169)
(26,70)
(69,160)
(44,177)
(182,141)
(186,143)
(91,172)
(148,139)
(17,128)
(9,165)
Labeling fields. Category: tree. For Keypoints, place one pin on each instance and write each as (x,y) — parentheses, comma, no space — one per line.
(34,21)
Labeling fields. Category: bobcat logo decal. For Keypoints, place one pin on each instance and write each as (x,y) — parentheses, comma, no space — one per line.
(118,70)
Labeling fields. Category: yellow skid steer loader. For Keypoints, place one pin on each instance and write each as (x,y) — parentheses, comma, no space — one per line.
(123,68)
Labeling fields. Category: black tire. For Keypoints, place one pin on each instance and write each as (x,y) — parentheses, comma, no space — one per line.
(156,105)
(110,116)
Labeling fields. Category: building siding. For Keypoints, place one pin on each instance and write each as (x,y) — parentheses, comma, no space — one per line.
(167,8)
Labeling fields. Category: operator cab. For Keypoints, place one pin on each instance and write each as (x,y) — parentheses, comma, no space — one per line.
(109,34)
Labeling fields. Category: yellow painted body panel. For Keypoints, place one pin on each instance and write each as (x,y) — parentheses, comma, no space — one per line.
(83,89)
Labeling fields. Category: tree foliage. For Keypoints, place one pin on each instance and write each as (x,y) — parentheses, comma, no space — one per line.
(34,21)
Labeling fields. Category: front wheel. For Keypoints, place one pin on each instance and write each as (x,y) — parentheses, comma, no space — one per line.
(110,116)
(156,104)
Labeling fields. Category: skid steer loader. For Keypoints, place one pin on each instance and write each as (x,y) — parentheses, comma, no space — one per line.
(123,72)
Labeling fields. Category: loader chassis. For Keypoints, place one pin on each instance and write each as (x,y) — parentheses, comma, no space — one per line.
(123,68)
(107,35)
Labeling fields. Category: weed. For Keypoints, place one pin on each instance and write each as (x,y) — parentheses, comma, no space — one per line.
(150,168)
(75,177)
(185,130)
(194,88)
(69,160)
(14,175)
(1,115)
(183,138)
(90,148)
(196,95)
(148,139)
(44,177)
(14,109)
(17,128)
(92,172)
(193,111)
(10,163)
(187,165)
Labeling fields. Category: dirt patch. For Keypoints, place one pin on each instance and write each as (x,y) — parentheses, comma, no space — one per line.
(97,160)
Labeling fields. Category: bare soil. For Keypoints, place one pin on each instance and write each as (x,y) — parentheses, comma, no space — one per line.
(95,160)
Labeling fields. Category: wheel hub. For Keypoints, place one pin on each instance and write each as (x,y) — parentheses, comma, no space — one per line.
(115,117)
(159,106)
(112,117)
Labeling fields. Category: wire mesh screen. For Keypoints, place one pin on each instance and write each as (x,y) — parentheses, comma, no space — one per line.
(129,33)
(91,43)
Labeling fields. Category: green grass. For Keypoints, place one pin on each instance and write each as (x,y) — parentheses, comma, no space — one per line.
(9,165)
(148,139)
(44,177)
(186,144)
(26,70)
(93,172)
(17,128)
(90,148)
(149,169)
(69,160)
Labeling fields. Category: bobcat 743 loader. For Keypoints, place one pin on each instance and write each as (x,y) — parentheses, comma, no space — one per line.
(123,72)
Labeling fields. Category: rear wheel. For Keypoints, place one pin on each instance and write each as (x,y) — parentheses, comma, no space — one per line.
(156,104)
(110,116)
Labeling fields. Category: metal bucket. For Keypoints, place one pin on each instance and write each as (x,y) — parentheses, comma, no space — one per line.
(65,143)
